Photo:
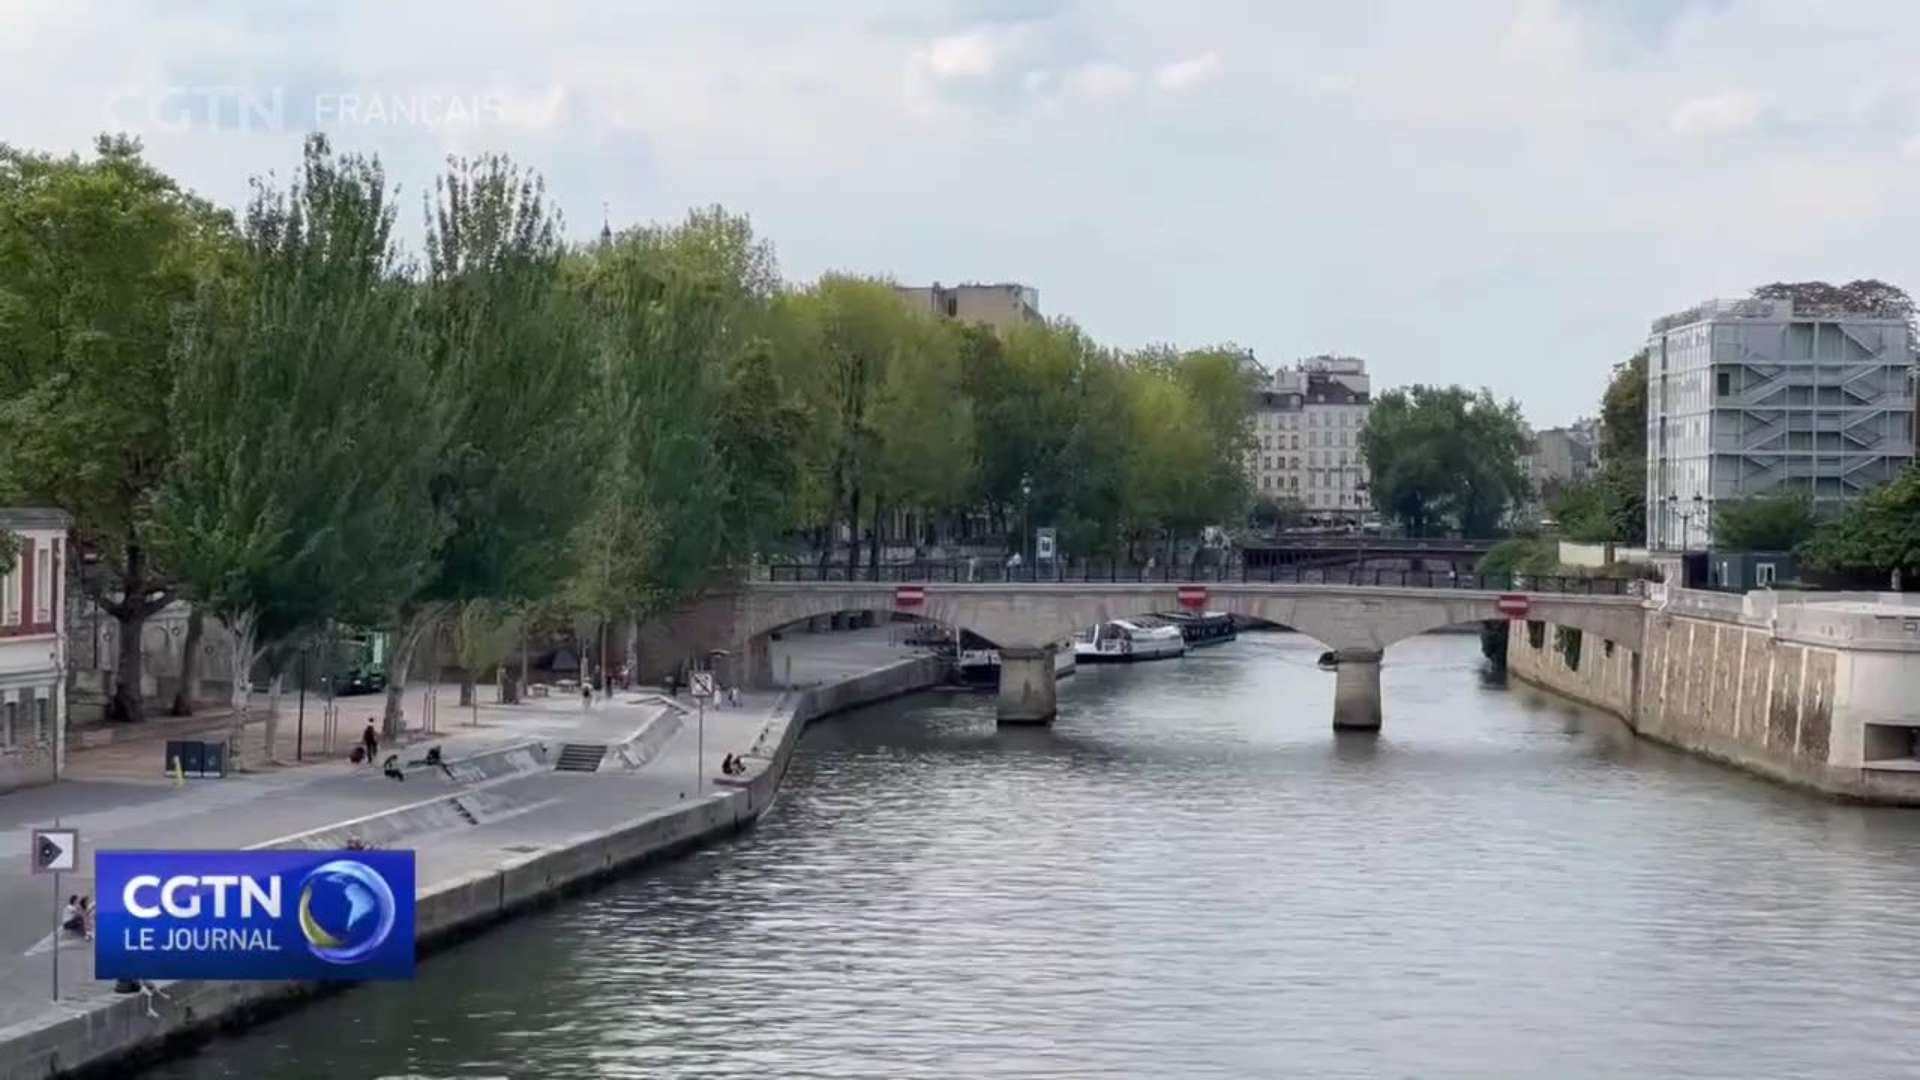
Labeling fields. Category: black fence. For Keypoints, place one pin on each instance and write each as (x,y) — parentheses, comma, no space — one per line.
(1097,571)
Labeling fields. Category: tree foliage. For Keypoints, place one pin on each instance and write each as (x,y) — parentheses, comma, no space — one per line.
(96,259)
(297,494)
(1874,537)
(294,425)
(1445,458)
(1611,505)
(1768,523)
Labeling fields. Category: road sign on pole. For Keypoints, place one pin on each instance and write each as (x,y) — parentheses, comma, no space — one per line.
(55,851)
(1043,543)
(703,684)
(1512,606)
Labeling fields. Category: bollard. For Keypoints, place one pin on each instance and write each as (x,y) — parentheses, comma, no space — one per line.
(179,772)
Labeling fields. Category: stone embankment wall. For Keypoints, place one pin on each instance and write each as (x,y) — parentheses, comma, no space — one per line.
(1807,690)
(110,1039)
(1585,667)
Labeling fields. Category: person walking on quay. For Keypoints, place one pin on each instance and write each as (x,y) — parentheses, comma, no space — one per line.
(370,741)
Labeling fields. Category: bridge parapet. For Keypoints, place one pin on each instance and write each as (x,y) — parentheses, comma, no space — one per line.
(1038,614)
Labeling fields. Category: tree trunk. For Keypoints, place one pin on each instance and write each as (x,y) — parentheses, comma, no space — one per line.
(874,542)
(131,612)
(242,687)
(406,642)
(853,533)
(128,705)
(466,688)
(836,486)
(271,754)
(189,664)
(633,647)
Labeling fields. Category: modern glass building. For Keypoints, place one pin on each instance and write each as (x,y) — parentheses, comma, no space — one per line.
(1757,397)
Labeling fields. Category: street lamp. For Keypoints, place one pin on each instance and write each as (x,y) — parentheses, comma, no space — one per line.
(700,743)
(1026,514)
(1686,516)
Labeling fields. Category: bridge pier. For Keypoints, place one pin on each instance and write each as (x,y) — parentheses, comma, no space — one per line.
(1027,685)
(1356,690)
(760,662)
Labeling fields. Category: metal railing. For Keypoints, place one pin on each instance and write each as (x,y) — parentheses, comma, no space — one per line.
(1113,572)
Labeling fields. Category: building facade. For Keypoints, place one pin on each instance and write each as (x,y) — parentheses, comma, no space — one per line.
(1000,306)
(33,703)
(1559,456)
(1751,398)
(1307,422)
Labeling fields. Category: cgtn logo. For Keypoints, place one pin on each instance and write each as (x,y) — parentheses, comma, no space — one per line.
(254,915)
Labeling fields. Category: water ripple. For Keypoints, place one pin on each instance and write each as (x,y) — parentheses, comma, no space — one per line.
(1189,877)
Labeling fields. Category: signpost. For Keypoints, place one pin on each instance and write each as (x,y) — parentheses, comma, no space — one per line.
(1513,606)
(702,690)
(1192,596)
(55,851)
(909,596)
(1043,540)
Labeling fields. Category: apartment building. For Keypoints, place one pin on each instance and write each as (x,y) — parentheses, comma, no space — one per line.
(33,695)
(1307,422)
(1000,306)
(1560,455)
(1757,397)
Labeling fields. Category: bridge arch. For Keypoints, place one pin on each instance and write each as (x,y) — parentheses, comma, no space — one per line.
(1027,616)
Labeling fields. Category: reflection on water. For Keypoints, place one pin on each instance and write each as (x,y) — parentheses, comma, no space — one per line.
(1190,877)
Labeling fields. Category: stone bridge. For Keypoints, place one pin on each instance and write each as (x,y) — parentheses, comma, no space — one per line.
(1028,620)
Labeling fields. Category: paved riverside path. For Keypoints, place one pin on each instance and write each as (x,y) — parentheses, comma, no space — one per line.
(257,809)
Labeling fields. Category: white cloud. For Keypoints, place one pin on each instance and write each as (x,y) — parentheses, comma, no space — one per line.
(973,55)
(1717,115)
(1502,163)
(1331,85)
(1187,73)
(1102,80)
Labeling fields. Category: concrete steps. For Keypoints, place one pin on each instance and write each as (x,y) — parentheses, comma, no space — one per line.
(581,757)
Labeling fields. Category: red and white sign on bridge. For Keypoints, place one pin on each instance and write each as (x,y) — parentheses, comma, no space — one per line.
(1512,605)
(909,596)
(1192,596)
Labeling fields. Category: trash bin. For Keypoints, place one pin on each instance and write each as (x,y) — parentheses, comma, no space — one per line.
(213,759)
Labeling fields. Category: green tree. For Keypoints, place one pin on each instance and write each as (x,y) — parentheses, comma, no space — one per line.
(1270,514)
(922,429)
(1445,456)
(298,493)
(96,259)
(511,367)
(1877,538)
(659,524)
(1768,523)
(1611,505)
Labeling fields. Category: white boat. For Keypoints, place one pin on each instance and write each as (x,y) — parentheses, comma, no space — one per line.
(979,662)
(1130,641)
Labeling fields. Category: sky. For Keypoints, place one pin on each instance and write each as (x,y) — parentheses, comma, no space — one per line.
(1490,192)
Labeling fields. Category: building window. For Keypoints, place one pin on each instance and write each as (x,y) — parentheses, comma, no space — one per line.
(42,721)
(1723,383)
(8,713)
(953,305)
(43,584)
(10,598)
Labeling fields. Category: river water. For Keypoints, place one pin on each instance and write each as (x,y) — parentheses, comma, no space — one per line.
(1190,877)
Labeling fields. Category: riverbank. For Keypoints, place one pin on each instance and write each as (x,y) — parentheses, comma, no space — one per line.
(537,835)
